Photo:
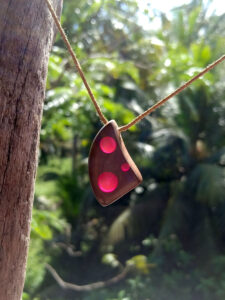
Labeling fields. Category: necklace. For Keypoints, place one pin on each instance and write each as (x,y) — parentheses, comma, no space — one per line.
(112,171)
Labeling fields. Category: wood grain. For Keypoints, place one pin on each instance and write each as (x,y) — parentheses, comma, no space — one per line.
(26,36)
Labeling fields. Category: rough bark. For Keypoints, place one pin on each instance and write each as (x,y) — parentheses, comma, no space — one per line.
(26,35)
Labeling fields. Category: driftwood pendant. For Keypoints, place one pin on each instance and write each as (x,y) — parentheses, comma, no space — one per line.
(112,171)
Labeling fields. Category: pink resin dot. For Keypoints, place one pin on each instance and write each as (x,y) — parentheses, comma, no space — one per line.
(107,182)
(108,144)
(125,167)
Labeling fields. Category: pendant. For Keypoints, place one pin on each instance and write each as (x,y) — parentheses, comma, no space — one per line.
(112,171)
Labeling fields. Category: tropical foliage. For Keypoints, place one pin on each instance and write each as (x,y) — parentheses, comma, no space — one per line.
(171,229)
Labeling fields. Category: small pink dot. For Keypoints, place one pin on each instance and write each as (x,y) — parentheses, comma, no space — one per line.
(125,167)
(107,182)
(108,144)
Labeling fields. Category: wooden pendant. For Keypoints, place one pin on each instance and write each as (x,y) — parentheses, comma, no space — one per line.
(112,171)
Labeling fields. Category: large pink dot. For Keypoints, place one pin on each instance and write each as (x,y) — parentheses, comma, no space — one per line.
(107,182)
(108,144)
(125,167)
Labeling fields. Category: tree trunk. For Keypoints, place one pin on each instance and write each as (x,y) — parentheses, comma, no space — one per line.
(26,35)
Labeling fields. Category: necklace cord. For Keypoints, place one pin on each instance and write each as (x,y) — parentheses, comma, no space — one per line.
(174,93)
(98,109)
(76,62)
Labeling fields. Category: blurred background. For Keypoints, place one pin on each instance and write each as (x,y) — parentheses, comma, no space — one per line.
(165,240)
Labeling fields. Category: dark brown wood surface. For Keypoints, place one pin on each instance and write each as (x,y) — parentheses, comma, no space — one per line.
(100,162)
(26,35)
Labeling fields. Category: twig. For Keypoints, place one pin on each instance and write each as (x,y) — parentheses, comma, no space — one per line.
(70,249)
(87,287)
